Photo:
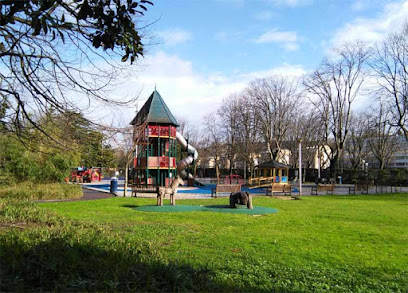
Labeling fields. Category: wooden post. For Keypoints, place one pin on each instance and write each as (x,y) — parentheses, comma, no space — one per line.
(158,158)
(273,181)
(249,205)
(126,178)
(147,160)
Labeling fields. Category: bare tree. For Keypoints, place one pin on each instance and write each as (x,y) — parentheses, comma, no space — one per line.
(188,130)
(390,64)
(276,98)
(307,127)
(248,123)
(333,89)
(228,114)
(382,142)
(356,147)
(215,143)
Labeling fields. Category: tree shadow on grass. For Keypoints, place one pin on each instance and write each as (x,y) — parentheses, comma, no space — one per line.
(64,260)
(65,264)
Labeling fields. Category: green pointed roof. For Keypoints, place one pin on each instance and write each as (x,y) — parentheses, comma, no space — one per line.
(154,110)
(273,165)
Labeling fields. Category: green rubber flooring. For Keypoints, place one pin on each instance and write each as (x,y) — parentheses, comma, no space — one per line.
(212,208)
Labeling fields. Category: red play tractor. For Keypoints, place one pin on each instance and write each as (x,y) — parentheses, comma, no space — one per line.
(84,174)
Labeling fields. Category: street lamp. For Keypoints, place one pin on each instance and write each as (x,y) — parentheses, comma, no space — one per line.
(366,170)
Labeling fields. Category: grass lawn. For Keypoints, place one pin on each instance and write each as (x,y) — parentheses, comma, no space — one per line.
(320,243)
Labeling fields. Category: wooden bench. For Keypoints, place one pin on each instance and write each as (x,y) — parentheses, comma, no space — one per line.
(143,188)
(362,186)
(225,188)
(329,188)
(281,188)
(359,187)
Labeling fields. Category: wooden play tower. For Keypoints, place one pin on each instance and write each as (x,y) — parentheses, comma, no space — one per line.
(155,145)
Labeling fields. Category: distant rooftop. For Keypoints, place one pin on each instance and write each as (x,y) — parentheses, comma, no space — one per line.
(155,110)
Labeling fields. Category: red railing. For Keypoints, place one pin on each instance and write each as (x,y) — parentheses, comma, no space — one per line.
(152,130)
(155,162)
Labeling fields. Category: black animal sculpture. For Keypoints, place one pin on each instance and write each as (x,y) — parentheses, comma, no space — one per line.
(242,198)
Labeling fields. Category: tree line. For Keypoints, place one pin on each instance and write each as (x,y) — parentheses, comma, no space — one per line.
(274,113)
(36,157)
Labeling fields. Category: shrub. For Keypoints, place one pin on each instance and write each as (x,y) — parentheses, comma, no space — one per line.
(33,191)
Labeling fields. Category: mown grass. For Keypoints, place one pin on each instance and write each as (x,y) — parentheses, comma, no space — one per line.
(330,243)
(39,191)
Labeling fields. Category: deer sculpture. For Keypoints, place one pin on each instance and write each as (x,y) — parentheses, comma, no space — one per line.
(171,191)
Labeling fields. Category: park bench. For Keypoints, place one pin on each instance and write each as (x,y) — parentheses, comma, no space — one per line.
(279,188)
(329,188)
(362,186)
(225,188)
(143,188)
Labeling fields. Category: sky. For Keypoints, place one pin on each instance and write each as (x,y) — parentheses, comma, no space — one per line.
(199,52)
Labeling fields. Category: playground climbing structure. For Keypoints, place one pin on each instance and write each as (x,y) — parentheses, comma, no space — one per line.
(155,140)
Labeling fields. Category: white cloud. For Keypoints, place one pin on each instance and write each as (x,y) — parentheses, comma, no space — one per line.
(189,94)
(288,39)
(172,37)
(237,3)
(360,5)
(264,15)
(285,70)
(371,30)
(223,36)
(291,46)
(275,36)
(292,3)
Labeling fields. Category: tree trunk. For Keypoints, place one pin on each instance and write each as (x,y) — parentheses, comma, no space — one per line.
(217,171)
(245,169)
(333,165)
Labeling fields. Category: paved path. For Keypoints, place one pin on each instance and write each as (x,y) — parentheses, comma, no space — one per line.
(88,194)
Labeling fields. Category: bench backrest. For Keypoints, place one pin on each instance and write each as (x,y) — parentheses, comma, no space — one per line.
(325,186)
(281,187)
(228,188)
(365,182)
(144,187)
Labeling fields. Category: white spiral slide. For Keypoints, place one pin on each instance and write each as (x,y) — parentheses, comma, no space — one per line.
(192,155)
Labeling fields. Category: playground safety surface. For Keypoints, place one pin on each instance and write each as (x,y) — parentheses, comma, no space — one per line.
(208,208)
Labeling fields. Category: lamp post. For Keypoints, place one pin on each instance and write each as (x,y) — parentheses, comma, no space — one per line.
(300,167)
(318,163)
(366,170)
